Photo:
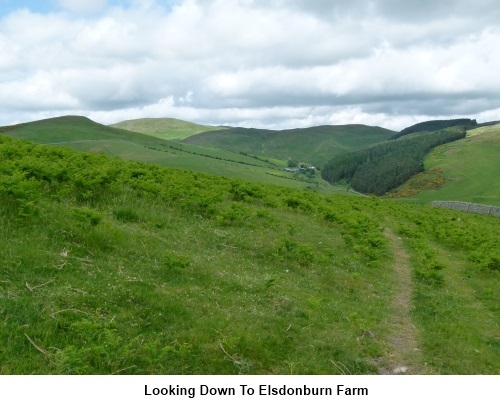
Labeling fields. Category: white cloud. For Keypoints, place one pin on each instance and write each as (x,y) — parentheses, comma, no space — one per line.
(36,93)
(250,62)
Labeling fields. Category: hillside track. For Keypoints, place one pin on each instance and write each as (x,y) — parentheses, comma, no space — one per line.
(403,354)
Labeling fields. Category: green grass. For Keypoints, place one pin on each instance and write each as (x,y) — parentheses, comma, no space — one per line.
(455,288)
(72,128)
(112,266)
(84,135)
(469,168)
(204,160)
(451,317)
(253,160)
(164,128)
(314,145)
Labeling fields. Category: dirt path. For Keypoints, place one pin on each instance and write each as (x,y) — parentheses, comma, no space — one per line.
(403,355)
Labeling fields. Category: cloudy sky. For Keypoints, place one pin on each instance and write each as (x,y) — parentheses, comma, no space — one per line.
(254,63)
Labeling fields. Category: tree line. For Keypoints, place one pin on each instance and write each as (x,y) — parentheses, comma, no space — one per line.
(383,167)
(436,125)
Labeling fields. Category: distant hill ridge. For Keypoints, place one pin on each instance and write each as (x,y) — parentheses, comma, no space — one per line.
(436,125)
(71,128)
(467,168)
(383,167)
(85,135)
(164,128)
(315,145)
(464,170)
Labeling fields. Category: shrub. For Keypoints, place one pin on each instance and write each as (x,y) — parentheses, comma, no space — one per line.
(493,263)
(126,214)
(237,214)
(86,217)
(173,261)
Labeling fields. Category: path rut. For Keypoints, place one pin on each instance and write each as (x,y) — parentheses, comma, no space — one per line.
(403,355)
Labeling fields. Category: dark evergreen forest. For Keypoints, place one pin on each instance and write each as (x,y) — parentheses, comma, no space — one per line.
(383,167)
(436,125)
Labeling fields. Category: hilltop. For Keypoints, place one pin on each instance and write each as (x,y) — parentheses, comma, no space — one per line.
(164,128)
(434,160)
(436,125)
(385,166)
(83,134)
(72,128)
(314,145)
(466,168)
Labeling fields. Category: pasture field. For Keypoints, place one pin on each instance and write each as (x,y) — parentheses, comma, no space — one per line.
(464,170)
(212,161)
(164,128)
(84,135)
(314,145)
(110,266)
(72,128)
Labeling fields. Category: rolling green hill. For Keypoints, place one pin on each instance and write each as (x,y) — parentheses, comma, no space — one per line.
(164,128)
(71,128)
(386,166)
(464,170)
(468,167)
(85,135)
(436,125)
(314,145)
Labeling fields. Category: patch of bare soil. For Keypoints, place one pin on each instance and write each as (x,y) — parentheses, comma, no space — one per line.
(403,355)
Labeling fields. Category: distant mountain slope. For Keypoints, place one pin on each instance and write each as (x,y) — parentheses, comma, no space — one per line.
(464,170)
(383,167)
(70,129)
(314,145)
(85,135)
(164,128)
(436,125)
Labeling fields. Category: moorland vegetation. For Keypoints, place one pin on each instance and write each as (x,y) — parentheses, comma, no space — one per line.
(315,145)
(110,266)
(85,135)
(164,128)
(464,170)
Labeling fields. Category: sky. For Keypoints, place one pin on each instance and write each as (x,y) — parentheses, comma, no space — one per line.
(254,63)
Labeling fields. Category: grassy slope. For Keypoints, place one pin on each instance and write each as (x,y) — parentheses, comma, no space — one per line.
(204,160)
(469,167)
(313,145)
(85,135)
(73,128)
(109,265)
(164,128)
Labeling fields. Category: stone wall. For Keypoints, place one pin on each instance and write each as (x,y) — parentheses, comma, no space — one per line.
(468,207)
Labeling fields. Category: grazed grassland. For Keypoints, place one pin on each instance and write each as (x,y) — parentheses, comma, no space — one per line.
(111,266)
(465,170)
